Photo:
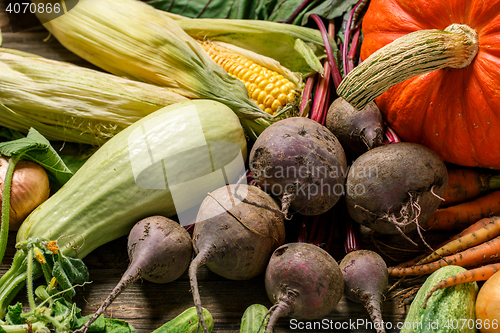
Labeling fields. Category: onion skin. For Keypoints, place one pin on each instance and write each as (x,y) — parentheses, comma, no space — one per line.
(488,304)
(30,187)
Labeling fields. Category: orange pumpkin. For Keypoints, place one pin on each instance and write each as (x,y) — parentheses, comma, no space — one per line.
(455,112)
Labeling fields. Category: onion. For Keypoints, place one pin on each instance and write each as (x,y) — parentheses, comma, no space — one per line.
(488,305)
(30,187)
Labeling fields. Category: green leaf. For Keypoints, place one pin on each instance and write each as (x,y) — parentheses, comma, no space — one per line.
(10,134)
(74,162)
(328,9)
(114,325)
(269,10)
(75,269)
(14,315)
(69,272)
(227,9)
(37,148)
(99,325)
(63,280)
(105,325)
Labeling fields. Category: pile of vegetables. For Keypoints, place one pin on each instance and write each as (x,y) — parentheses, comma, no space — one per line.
(249,146)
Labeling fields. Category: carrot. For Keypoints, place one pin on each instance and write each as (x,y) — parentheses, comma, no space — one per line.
(479,225)
(482,273)
(468,184)
(490,229)
(463,215)
(473,257)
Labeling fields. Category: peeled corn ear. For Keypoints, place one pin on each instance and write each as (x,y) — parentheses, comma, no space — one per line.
(294,47)
(130,38)
(270,90)
(70,103)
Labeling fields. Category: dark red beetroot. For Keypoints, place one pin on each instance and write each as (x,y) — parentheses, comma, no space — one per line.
(357,130)
(303,281)
(302,163)
(366,278)
(235,238)
(392,188)
(159,250)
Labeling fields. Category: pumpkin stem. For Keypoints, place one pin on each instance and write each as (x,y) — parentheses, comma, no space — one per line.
(417,53)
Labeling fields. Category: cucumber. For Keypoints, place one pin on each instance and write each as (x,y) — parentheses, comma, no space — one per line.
(123,181)
(179,153)
(252,319)
(448,310)
(187,322)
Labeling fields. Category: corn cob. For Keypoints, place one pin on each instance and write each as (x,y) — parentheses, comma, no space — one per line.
(70,103)
(270,90)
(297,48)
(132,39)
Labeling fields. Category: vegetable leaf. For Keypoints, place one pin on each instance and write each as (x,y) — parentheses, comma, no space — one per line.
(114,325)
(326,9)
(10,134)
(233,9)
(14,316)
(68,272)
(37,148)
(289,11)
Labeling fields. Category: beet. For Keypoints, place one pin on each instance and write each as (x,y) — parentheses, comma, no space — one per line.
(357,130)
(393,188)
(235,238)
(303,281)
(302,163)
(366,279)
(159,250)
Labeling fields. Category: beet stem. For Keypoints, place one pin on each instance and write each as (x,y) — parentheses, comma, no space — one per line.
(337,78)
(331,231)
(313,230)
(302,238)
(196,263)
(306,94)
(132,273)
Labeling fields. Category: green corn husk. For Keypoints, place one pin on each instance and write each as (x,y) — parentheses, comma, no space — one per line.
(297,48)
(69,103)
(132,39)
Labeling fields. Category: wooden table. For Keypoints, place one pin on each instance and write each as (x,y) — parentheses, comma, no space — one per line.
(147,305)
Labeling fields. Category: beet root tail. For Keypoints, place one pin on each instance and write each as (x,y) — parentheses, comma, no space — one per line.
(372,305)
(281,309)
(131,275)
(193,269)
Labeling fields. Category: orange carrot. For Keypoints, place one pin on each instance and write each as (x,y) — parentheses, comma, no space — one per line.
(480,254)
(479,225)
(486,233)
(482,273)
(463,215)
(468,184)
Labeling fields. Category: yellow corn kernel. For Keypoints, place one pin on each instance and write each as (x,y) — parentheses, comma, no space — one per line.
(255,94)
(270,90)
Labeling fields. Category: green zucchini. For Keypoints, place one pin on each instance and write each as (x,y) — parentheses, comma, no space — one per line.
(120,184)
(448,310)
(187,322)
(179,152)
